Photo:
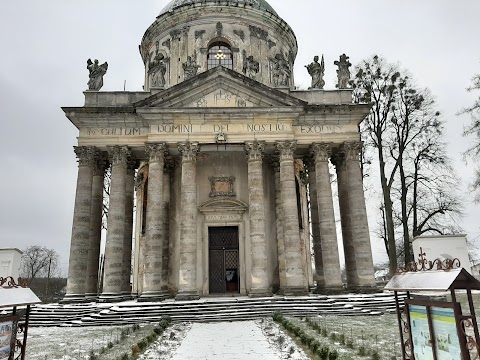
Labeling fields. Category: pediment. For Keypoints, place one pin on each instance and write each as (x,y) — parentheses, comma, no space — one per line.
(223,205)
(220,88)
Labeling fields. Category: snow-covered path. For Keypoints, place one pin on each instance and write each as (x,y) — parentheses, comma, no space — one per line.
(225,340)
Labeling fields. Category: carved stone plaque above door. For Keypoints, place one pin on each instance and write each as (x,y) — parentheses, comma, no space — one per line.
(222,186)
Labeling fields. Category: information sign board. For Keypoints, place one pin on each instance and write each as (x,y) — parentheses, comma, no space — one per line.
(446,336)
(8,332)
(422,343)
(433,330)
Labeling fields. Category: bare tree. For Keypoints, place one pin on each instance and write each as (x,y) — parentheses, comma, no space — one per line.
(405,131)
(376,82)
(474,130)
(38,261)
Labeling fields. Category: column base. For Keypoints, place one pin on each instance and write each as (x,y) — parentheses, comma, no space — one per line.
(186,296)
(294,291)
(110,297)
(127,296)
(74,298)
(91,297)
(331,290)
(257,293)
(153,296)
(363,289)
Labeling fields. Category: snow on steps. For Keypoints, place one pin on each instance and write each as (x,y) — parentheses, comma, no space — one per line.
(208,309)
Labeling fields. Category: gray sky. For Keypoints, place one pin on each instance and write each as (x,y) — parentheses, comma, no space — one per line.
(45,45)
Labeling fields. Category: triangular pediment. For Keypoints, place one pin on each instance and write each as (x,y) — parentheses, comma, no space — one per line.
(220,88)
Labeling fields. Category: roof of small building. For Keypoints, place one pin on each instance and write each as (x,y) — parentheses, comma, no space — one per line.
(259,4)
(12,249)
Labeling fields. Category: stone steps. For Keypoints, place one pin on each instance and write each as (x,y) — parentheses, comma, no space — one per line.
(208,309)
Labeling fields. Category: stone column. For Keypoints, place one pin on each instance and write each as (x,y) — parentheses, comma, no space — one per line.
(96,213)
(113,278)
(332,276)
(167,170)
(256,209)
(77,266)
(279,225)
(154,232)
(187,280)
(127,242)
(297,283)
(356,236)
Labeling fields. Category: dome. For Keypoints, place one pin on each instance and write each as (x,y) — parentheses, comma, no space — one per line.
(259,4)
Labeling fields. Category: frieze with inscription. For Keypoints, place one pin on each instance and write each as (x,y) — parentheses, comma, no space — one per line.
(216,128)
(319,129)
(114,131)
(223,217)
(221,128)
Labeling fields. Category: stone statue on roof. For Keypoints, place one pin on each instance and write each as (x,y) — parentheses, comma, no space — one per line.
(343,72)
(96,73)
(317,71)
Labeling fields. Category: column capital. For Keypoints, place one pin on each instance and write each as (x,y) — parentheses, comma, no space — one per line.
(85,155)
(119,154)
(100,163)
(348,151)
(188,151)
(286,149)
(254,150)
(155,151)
(352,150)
(321,151)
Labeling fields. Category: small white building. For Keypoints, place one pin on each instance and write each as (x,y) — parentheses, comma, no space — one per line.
(10,262)
(443,247)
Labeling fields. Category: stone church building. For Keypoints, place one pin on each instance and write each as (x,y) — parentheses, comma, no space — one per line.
(220,179)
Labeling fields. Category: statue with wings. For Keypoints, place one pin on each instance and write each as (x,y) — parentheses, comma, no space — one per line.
(96,73)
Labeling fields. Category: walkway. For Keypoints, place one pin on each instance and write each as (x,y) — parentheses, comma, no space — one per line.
(225,340)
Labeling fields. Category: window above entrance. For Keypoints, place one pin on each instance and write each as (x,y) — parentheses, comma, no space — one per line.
(219,53)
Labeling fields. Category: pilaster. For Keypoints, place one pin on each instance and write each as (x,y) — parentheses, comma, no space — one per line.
(187,281)
(297,283)
(167,172)
(279,224)
(259,280)
(317,244)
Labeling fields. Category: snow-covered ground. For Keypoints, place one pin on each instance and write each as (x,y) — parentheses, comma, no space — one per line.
(69,343)
(262,339)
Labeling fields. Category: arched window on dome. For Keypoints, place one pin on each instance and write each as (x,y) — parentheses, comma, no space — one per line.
(219,53)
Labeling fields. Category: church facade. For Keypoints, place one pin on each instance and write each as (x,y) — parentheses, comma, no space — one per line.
(219,168)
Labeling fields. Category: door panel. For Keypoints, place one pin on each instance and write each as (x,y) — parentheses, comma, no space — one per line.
(217,271)
(223,259)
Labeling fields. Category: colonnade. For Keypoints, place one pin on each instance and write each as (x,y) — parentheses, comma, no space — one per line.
(86,230)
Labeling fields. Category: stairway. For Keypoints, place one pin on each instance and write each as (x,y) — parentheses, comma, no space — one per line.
(208,309)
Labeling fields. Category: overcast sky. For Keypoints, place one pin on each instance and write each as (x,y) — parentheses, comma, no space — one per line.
(45,44)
